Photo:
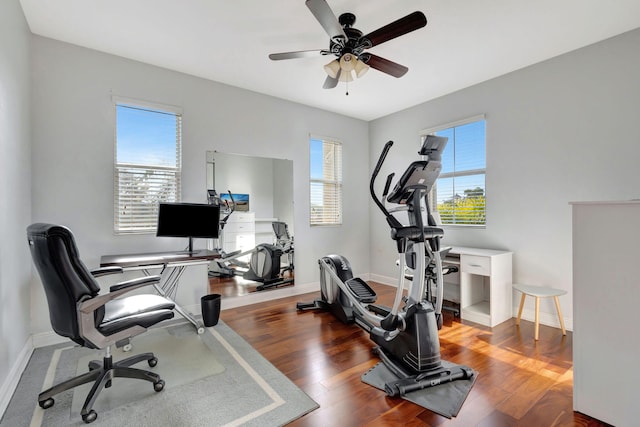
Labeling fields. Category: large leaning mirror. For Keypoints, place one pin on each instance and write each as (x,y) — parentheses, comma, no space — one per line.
(257,227)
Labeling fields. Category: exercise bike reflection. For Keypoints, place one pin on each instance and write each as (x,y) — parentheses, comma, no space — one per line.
(406,334)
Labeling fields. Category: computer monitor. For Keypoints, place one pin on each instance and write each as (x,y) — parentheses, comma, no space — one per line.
(190,220)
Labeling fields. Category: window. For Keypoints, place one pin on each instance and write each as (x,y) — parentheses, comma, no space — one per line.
(147,165)
(325,182)
(459,192)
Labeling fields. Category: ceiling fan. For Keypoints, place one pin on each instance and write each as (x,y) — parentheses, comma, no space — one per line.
(348,44)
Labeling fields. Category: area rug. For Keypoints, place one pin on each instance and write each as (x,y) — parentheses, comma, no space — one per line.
(213,379)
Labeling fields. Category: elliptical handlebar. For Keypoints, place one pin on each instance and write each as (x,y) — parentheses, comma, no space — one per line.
(374,175)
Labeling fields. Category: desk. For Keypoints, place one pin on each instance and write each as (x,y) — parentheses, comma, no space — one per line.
(171,265)
(485,284)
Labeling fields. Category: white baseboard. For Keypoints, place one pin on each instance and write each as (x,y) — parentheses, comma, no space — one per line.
(389,281)
(11,382)
(44,339)
(547,319)
(257,297)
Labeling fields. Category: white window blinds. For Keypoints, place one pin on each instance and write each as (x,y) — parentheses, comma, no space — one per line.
(325,182)
(147,166)
(459,194)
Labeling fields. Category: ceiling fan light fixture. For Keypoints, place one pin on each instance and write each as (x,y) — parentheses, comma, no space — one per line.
(347,62)
(332,68)
(349,43)
(360,68)
(346,76)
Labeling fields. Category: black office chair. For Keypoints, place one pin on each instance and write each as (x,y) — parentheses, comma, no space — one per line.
(78,312)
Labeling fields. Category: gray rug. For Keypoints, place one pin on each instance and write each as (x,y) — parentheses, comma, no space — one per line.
(213,379)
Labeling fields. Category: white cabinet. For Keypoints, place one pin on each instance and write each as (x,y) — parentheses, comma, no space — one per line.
(485,281)
(239,233)
(264,230)
(606,297)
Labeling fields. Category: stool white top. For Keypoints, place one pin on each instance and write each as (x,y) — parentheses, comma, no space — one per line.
(539,291)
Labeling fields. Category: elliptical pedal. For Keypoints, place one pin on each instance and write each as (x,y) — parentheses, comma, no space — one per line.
(361,290)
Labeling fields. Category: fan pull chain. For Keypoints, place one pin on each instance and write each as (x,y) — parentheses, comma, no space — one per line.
(347,91)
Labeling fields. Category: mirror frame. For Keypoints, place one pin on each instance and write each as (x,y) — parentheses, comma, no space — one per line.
(281,194)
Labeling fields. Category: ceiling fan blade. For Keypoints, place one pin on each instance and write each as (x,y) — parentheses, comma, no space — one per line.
(381,64)
(325,16)
(330,82)
(297,54)
(402,26)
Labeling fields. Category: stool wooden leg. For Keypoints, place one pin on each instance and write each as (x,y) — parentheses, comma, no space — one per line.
(537,327)
(520,309)
(564,332)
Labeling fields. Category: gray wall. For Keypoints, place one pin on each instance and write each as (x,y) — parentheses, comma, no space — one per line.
(73,150)
(259,177)
(247,175)
(283,201)
(559,131)
(15,192)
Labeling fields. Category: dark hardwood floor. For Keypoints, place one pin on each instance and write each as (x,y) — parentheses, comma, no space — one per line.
(521,382)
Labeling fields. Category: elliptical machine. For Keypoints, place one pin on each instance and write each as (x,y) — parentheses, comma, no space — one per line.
(264,260)
(406,334)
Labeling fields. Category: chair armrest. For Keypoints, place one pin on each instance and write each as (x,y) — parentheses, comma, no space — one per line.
(93,304)
(103,271)
(146,280)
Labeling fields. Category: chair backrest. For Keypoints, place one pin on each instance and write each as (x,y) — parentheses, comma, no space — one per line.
(65,278)
(281,230)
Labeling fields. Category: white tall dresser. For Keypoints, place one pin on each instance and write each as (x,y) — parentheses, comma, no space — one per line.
(606,311)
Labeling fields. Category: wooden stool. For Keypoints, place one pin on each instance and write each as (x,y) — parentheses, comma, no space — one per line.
(540,292)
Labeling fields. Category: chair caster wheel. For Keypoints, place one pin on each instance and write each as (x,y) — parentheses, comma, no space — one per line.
(90,417)
(153,362)
(158,386)
(46,403)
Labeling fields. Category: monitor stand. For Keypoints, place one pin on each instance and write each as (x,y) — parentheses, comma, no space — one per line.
(189,250)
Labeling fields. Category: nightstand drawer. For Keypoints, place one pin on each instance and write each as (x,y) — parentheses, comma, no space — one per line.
(475,265)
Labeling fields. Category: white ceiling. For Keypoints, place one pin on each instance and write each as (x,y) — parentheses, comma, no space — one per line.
(465,41)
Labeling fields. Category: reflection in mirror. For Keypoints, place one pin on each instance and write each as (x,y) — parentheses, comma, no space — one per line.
(256,220)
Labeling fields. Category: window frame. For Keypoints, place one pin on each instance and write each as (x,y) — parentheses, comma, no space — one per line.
(148,227)
(433,200)
(337,184)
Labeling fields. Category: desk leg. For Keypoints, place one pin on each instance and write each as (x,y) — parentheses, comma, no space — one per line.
(199,327)
(169,285)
